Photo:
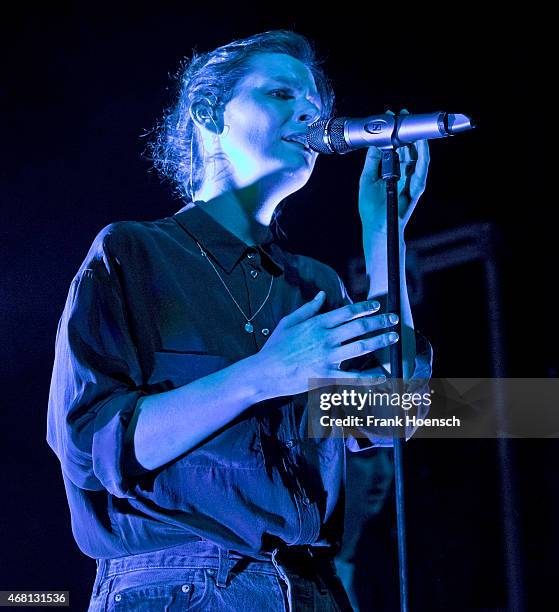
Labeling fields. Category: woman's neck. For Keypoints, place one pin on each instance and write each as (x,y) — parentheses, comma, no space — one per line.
(246,217)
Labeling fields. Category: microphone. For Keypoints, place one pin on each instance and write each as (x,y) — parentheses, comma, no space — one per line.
(344,134)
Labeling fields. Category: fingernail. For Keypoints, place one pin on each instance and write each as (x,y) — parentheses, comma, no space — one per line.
(393,336)
(393,318)
(374,304)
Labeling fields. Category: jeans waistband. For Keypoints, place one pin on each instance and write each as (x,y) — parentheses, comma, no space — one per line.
(203,553)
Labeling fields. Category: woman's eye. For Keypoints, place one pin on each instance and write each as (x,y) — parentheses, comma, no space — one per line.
(282,94)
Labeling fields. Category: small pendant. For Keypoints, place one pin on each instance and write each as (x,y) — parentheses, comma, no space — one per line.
(248,328)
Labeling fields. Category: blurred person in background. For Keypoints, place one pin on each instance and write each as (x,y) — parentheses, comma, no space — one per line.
(366,562)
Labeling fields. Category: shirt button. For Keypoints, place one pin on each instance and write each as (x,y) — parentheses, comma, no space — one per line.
(265,331)
(290,444)
(118,597)
(253,273)
(306,501)
(185,588)
(251,254)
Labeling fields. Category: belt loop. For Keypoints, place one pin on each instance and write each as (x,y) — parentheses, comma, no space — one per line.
(223,570)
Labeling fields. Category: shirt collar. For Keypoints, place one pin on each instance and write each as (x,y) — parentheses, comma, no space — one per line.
(225,248)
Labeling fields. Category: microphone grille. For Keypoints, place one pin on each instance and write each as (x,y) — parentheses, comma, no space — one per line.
(327,136)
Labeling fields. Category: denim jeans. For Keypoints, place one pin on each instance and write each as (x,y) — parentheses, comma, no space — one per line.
(202,576)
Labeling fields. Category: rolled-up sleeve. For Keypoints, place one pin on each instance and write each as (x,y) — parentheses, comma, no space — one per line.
(96,383)
(418,383)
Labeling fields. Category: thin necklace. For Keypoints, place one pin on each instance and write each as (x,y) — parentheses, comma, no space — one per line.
(248,326)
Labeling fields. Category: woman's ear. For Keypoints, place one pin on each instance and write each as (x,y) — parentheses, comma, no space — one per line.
(205,115)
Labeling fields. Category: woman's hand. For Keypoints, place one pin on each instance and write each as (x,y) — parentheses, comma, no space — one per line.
(414,164)
(308,345)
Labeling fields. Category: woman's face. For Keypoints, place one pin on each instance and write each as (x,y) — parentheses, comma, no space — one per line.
(369,480)
(277,99)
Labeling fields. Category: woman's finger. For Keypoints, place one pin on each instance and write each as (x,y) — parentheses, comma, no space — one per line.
(343,314)
(304,312)
(362,347)
(372,378)
(372,164)
(360,326)
(423,158)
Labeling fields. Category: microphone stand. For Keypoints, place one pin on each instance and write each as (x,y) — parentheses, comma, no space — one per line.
(390,172)
(341,135)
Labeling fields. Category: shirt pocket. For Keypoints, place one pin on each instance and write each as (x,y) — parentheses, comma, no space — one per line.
(238,444)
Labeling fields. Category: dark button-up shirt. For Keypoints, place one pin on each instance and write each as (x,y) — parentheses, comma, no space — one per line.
(146,313)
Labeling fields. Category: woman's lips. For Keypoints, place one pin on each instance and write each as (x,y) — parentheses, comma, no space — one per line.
(306,149)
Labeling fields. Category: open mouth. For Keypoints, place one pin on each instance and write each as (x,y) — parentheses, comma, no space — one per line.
(301,144)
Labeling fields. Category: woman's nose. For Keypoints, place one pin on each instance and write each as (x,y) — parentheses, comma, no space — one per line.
(309,114)
(307,118)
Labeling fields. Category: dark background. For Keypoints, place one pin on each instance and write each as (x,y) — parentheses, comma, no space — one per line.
(81,87)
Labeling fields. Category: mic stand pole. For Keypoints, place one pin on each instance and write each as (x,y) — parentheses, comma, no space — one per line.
(390,172)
